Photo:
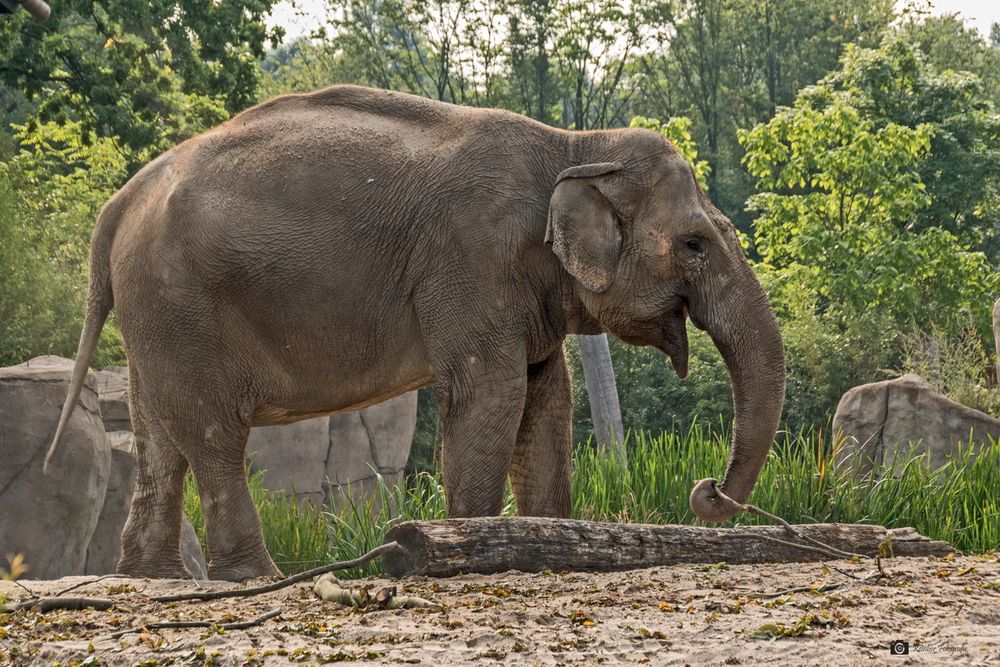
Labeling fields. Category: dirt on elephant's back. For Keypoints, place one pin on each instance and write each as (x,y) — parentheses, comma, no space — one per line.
(841,612)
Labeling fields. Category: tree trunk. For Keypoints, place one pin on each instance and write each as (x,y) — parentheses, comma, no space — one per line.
(497,544)
(602,390)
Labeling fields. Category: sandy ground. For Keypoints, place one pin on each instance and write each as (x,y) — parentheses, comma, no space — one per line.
(947,609)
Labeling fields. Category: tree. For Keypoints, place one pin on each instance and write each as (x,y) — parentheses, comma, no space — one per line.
(842,258)
(896,84)
(730,63)
(602,390)
(594,43)
(530,70)
(146,75)
(947,43)
(50,192)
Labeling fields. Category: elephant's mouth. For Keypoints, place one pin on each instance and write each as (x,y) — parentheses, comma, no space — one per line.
(675,339)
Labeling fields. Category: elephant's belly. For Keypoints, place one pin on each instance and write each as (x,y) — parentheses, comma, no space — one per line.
(337,385)
(271,415)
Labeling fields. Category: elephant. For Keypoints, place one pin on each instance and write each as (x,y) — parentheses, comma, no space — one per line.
(325,251)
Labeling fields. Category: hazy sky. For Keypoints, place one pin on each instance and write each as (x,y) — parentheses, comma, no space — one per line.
(981,13)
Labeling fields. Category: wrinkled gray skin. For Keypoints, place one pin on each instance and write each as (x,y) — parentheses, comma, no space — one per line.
(323,252)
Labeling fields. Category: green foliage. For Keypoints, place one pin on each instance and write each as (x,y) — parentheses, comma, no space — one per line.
(948,43)
(94,93)
(845,258)
(894,84)
(959,365)
(799,483)
(145,76)
(50,193)
(956,502)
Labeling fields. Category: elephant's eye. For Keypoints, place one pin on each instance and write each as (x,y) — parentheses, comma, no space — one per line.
(694,244)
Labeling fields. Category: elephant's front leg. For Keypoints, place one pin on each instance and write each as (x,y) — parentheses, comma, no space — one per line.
(482,400)
(541,472)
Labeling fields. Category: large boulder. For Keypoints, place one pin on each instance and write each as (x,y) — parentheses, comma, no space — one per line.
(368,444)
(112,388)
(50,519)
(318,459)
(292,457)
(106,542)
(879,421)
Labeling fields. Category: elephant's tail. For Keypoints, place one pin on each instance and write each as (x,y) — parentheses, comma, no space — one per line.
(100,300)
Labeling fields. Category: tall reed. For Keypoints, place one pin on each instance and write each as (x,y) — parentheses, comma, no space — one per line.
(957,502)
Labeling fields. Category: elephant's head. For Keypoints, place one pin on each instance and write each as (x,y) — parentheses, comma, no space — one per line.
(647,249)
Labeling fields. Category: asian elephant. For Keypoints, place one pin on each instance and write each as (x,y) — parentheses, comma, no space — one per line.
(323,252)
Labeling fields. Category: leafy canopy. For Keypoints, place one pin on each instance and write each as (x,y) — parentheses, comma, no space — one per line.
(146,74)
(838,202)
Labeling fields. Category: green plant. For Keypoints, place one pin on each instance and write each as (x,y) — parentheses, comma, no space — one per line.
(958,365)
(295,533)
(800,482)
(358,525)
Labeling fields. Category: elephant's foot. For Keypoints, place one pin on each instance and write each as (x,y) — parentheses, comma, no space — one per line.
(167,568)
(241,569)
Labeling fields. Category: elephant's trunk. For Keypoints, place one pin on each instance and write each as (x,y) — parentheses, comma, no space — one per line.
(745,331)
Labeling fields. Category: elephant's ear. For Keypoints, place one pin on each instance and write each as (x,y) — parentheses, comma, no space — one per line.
(583,225)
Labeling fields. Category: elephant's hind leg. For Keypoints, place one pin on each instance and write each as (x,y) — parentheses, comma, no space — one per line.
(151,537)
(540,472)
(235,540)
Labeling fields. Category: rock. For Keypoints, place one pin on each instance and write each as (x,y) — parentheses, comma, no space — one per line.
(317,458)
(112,388)
(50,518)
(881,419)
(292,457)
(106,543)
(370,443)
(191,552)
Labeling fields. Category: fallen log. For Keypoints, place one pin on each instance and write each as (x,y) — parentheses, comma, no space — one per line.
(497,544)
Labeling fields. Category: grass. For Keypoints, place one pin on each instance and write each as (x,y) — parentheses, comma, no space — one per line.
(957,502)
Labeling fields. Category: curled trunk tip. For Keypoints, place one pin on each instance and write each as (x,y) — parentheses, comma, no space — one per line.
(708,502)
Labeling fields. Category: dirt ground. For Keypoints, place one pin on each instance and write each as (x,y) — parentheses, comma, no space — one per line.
(948,610)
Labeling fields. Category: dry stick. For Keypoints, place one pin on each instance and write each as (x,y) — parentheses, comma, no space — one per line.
(818,546)
(799,589)
(843,572)
(81,584)
(32,593)
(283,583)
(242,625)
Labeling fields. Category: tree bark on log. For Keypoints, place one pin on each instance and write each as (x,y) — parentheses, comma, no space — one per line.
(497,544)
